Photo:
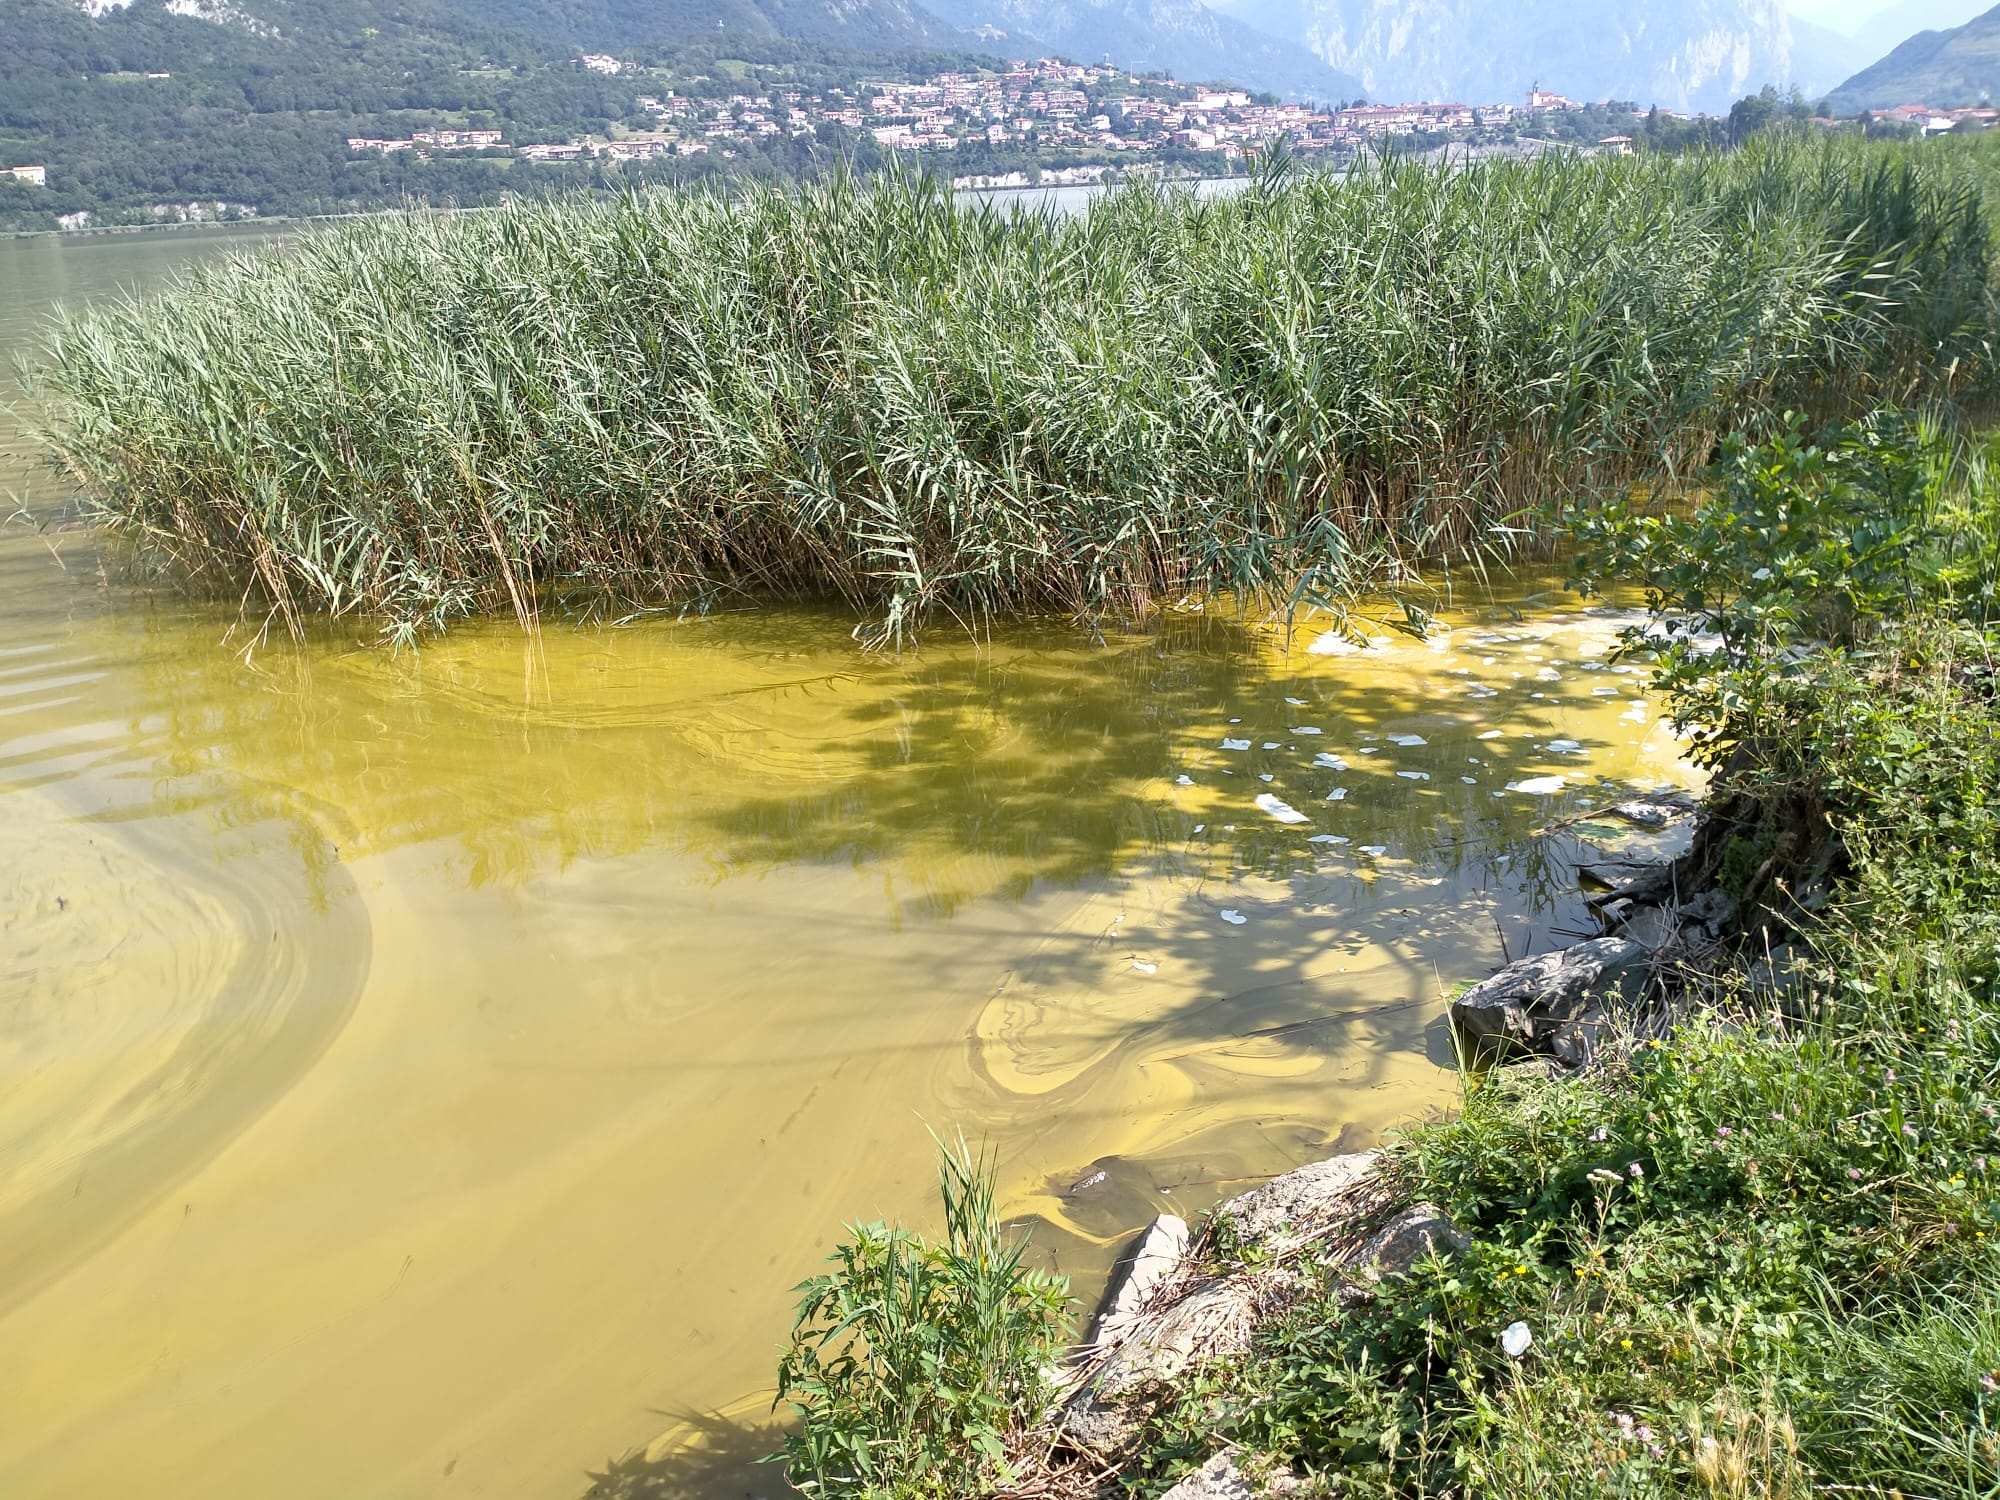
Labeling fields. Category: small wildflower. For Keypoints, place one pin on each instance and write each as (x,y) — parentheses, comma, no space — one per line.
(1723,1132)
(1910,1131)
(1889,1076)
(1600,1134)
(1854,1174)
(1951,1231)
(1624,1343)
(1990,1382)
(1636,1170)
(1979,1164)
(1646,1436)
(1626,1428)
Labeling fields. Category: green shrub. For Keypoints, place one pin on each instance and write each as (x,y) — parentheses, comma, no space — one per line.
(913,1362)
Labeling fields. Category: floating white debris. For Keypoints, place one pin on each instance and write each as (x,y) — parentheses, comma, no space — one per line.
(1375,851)
(1145,968)
(1327,760)
(1538,786)
(1414,775)
(1229,744)
(1284,812)
(1407,740)
(1371,749)
(1563,747)
(1327,838)
(1308,729)
(1333,643)
(1270,744)
(1236,721)
(1338,794)
(1548,674)
(1470,780)
(1266,777)
(1234,918)
(1517,1340)
(1296,702)
(1494,734)
(1636,714)
(1183,781)
(1604,692)
(1480,690)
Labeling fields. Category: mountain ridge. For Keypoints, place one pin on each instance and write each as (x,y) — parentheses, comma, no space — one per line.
(1940,68)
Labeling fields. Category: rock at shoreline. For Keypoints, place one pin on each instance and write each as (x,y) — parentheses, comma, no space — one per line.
(1216,1322)
(1417,1231)
(1152,1262)
(1285,1209)
(1528,1005)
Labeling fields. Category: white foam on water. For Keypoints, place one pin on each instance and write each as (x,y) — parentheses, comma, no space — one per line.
(1229,744)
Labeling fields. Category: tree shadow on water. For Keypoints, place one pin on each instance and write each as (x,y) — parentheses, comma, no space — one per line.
(706,1457)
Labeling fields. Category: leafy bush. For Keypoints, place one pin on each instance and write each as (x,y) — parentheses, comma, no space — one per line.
(913,1362)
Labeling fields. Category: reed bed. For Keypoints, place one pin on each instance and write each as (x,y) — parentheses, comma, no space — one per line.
(926,407)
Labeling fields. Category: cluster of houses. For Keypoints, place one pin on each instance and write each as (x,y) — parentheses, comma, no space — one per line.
(1051,104)
(1937,121)
(435,140)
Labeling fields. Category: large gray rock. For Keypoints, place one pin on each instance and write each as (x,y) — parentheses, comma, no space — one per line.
(1286,1209)
(1527,1004)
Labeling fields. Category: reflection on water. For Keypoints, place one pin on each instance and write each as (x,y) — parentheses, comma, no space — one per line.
(427,1074)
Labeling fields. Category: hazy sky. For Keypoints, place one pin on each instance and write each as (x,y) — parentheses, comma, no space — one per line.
(1914,15)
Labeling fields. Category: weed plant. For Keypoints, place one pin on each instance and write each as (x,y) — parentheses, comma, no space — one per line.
(913,1363)
(920,406)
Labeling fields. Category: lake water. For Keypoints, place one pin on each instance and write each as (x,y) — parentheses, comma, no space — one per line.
(426,1075)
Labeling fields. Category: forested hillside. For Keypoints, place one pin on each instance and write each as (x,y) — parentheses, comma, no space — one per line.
(137,111)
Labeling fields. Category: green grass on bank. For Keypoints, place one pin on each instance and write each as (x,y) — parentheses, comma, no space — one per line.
(929,408)
(1762,1256)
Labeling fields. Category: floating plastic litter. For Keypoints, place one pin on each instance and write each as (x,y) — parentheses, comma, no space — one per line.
(1538,786)
(1229,744)
(1408,741)
(1283,811)
(1234,918)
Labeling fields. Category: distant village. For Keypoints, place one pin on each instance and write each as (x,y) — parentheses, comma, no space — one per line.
(1044,109)
(1059,108)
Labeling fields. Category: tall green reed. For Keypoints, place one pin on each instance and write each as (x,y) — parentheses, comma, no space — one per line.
(926,407)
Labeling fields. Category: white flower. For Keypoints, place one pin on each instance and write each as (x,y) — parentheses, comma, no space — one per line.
(1517,1340)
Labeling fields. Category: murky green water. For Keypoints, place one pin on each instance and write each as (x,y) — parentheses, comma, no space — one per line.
(425,1075)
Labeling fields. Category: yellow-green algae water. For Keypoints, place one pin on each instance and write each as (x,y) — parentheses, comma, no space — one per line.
(426,1075)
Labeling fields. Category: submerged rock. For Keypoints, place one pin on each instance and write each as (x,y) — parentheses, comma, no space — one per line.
(1524,1007)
